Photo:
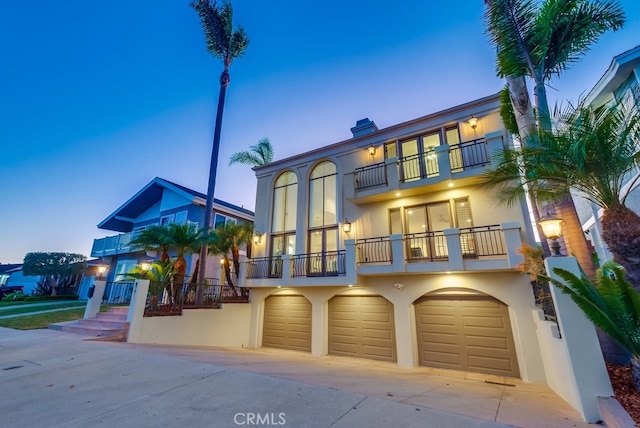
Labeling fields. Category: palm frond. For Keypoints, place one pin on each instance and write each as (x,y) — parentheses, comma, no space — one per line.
(257,155)
(217,25)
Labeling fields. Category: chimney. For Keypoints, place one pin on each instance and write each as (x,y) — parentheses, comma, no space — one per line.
(364,127)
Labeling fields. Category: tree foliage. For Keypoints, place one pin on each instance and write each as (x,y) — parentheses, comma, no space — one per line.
(258,155)
(56,268)
(226,240)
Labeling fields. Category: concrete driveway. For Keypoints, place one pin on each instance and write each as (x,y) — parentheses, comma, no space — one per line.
(55,379)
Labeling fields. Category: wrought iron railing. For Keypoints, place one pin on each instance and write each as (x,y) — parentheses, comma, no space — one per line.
(118,293)
(166,299)
(544,300)
(370,176)
(264,267)
(426,246)
(421,165)
(374,250)
(468,155)
(330,263)
(482,241)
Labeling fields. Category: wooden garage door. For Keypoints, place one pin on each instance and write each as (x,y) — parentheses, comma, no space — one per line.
(467,333)
(287,323)
(362,326)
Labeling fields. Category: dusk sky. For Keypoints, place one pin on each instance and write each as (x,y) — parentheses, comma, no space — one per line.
(98,98)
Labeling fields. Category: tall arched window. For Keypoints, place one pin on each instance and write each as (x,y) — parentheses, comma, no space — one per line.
(323,201)
(283,224)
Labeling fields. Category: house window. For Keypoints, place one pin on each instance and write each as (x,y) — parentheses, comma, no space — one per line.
(395,221)
(166,219)
(323,223)
(390,150)
(181,217)
(418,156)
(285,195)
(221,220)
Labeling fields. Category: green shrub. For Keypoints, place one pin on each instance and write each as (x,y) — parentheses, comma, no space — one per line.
(14,297)
(47,298)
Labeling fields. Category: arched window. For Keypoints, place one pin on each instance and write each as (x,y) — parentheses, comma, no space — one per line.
(323,220)
(283,224)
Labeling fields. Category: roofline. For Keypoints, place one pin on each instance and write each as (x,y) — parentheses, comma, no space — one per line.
(617,62)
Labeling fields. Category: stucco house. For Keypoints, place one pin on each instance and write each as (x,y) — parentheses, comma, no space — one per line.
(620,82)
(383,247)
(160,202)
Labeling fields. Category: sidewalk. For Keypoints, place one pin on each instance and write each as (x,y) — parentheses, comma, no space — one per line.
(35,304)
(87,383)
(26,314)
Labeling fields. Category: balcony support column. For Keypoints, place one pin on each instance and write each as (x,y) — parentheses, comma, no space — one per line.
(287,269)
(242,274)
(397,252)
(350,261)
(512,241)
(454,249)
(444,163)
(393,173)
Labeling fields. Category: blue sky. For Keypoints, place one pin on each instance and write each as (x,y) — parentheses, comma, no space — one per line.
(97,99)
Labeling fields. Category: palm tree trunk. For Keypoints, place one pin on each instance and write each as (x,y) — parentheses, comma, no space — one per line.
(621,233)
(573,236)
(213,169)
(635,372)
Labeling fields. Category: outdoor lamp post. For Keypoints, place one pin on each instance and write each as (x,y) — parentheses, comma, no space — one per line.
(552,229)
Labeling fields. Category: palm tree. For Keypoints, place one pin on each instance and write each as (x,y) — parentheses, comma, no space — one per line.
(183,239)
(158,273)
(538,41)
(152,239)
(611,304)
(592,151)
(226,44)
(226,240)
(258,155)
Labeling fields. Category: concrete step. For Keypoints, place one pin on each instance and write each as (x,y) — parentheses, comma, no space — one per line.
(93,331)
(108,323)
(111,316)
(118,310)
(111,325)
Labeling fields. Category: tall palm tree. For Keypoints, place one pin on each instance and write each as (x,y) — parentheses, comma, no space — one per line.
(258,155)
(183,239)
(224,43)
(226,240)
(539,40)
(592,151)
(152,239)
(611,304)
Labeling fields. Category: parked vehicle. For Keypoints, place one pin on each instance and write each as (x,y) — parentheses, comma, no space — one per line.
(8,289)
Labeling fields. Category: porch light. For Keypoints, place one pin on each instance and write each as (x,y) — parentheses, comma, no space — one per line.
(257,238)
(145,266)
(346,226)
(372,150)
(101,270)
(473,122)
(552,229)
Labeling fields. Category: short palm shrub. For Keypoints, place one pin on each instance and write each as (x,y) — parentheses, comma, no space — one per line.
(611,303)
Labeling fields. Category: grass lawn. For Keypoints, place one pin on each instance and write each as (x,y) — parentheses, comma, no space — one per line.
(22,309)
(43,320)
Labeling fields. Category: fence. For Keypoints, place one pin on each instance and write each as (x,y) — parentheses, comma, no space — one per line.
(370,176)
(118,293)
(374,250)
(264,267)
(468,155)
(330,263)
(418,166)
(482,241)
(426,246)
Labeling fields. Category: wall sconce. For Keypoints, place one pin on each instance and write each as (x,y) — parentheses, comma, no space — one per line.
(473,122)
(145,266)
(552,229)
(346,226)
(101,270)
(372,150)
(257,238)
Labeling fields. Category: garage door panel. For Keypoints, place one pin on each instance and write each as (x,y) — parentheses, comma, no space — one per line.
(362,326)
(474,335)
(287,323)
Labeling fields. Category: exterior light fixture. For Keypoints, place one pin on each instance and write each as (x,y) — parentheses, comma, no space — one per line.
(257,238)
(145,266)
(101,270)
(552,229)
(346,226)
(372,150)
(473,122)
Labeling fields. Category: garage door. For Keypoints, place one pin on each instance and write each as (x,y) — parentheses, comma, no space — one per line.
(362,326)
(467,333)
(287,323)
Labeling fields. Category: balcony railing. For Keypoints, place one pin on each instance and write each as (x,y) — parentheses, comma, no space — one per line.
(374,250)
(421,165)
(370,176)
(264,267)
(426,246)
(482,241)
(468,155)
(118,293)
(331,263)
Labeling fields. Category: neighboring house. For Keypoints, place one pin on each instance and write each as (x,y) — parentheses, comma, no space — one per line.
(383,247)
(4,272)
(621,82)
(14,276)
(160,202)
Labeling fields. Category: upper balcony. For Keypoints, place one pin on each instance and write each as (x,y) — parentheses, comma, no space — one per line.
(425,172)
(484,248)
(113,245)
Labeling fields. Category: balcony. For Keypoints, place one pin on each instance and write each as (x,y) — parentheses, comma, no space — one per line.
(424,172)
(484,248)
(113,245)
